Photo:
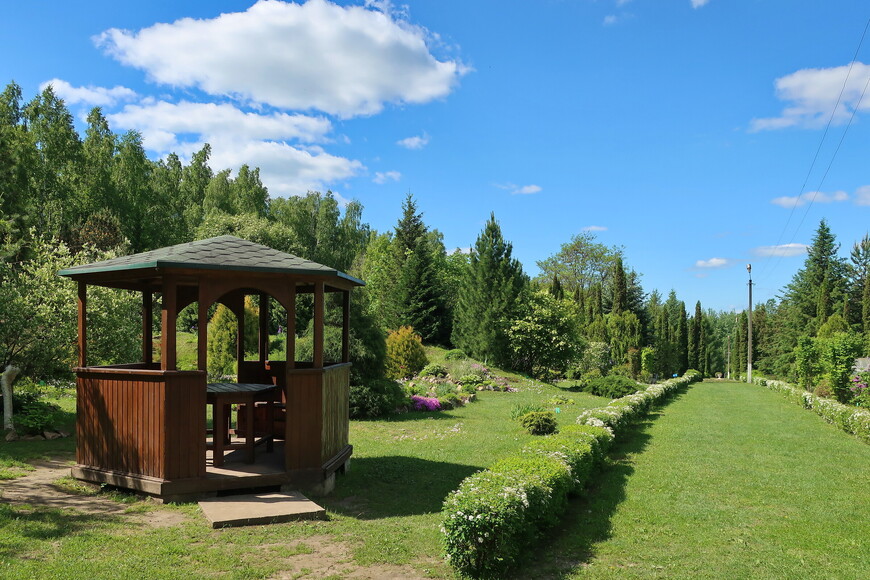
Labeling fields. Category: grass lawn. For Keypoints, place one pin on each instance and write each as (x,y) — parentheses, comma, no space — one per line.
(728,481)
(386,509)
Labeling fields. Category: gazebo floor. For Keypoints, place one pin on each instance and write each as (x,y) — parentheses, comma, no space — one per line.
(234,476)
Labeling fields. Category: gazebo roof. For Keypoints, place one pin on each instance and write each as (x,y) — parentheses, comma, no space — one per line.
(227,253)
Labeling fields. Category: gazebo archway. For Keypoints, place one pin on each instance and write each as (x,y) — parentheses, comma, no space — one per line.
(142,425)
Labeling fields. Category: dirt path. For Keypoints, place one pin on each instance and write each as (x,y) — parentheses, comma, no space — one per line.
(39,489)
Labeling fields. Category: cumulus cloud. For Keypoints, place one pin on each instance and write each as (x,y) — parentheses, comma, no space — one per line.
(595,229)
(712,263)
(810,96)
(416,142)
(386,176)
(789,202)
(342,60)
(783,250)
(90,95)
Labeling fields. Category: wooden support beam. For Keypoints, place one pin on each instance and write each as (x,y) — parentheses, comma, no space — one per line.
(319,322)
(202,331)
(168,317)
(239,300)
(147,326)
(82,307)
(263,335)
(345,327)
(291,328)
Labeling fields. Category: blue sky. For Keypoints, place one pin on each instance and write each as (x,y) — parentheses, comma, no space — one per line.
(683,130)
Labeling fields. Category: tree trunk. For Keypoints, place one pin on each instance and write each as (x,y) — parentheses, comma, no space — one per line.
(6,379)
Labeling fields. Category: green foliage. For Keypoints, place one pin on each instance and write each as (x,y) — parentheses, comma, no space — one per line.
(490,292)
(595,359)
(539,422)
(611,386)
(546,337)
(405,354)
(434,370)
(32,416)
(495,515)
(455,354)
(222,330)
(520,409)
(375,398)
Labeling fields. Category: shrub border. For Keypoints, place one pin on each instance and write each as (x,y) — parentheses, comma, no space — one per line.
(852,420)
(495,514)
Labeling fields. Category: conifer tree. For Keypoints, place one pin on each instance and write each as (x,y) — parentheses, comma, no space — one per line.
(556,288)
(620,291)
(696,348)
(489,294)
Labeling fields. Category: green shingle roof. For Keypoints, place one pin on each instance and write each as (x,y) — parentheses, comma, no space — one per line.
(220,253)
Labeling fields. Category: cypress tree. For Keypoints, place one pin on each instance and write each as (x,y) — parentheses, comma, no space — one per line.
(696,347)
(556,288)
(489,294)
(620,289)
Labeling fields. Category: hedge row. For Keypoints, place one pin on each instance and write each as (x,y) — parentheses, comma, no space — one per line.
(496,514)
(854,420)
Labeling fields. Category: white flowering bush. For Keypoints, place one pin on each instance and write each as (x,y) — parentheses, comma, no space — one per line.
(854,420)
(495,514)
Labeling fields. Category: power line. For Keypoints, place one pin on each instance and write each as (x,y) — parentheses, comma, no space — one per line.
(816,156)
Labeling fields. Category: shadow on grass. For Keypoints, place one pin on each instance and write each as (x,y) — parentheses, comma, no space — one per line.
(391,486)
(587,519)
(20,527)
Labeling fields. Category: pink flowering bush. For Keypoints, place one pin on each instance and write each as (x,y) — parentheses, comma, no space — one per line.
(425,403)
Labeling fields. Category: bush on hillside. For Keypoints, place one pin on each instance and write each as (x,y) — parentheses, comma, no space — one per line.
(611,386)
(539,422)
(375,398)
(405,354)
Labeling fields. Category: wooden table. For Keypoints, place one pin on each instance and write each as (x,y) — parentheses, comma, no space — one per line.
(220,396)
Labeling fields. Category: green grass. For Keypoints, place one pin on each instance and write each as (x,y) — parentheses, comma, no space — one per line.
(728,481)
(386,508)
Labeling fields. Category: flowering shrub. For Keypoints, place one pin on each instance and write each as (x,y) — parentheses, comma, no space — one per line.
(851,419)
(425,403)
(495,514)
(860,390)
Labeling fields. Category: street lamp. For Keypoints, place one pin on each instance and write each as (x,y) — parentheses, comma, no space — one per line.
(749,330)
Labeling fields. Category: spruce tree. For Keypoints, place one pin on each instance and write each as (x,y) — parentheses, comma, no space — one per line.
(620,290)
(490,292)
(695,344)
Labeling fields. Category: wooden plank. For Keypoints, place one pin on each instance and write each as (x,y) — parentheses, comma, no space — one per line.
(345,328)
(291,329)
(263,334)
(167,332)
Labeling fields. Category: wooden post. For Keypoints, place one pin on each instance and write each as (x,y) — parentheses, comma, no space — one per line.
(202,330)
(240,331)
(291,328)
(345,328)
(318,324)
(167,319)
(147,326)
(82,307)
(263,335)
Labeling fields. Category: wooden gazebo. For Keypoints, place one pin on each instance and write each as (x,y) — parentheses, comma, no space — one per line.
(143,425)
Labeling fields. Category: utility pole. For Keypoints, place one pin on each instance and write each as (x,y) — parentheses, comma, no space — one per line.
(749,330)
(728,366)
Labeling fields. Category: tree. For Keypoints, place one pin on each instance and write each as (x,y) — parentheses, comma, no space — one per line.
(545,338)
(490,293)
(580,263)
(696,346)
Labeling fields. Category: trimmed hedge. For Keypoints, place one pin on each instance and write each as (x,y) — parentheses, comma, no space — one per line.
(496,514)
(854,420)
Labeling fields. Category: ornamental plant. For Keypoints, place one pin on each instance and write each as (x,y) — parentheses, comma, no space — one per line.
(405,354)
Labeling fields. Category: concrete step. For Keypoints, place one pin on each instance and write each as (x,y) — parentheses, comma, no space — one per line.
(260,509)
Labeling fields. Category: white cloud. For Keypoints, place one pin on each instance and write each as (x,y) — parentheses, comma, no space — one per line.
(342,60)
(811,94)
(712,263)
(527,190)
(699,3)
(595,229)
(157,120)
(611,19)
(386,176)
(783,250)
(862,195)
(90,95)
(417,142)
(789,202)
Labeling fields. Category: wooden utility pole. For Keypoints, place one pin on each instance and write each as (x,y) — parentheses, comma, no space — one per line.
(749,330)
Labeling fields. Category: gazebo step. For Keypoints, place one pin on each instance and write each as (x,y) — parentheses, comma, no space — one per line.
(260,509)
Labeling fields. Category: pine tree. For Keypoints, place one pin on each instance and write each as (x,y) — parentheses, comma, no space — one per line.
(556,288)
(489,294)
(696,348)
(620,291)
